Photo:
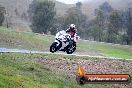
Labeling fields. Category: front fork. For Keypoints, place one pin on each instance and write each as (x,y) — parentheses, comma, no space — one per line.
(59,44)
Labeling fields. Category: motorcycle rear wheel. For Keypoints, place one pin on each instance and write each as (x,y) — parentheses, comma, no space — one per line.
(69,50)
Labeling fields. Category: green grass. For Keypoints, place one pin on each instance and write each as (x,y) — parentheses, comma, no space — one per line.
(22,71)
(27,40)
(105,49)
(24,40)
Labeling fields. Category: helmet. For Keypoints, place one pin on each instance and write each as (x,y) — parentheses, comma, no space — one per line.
(72,26)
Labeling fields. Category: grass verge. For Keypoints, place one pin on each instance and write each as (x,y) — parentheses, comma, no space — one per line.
(23,71)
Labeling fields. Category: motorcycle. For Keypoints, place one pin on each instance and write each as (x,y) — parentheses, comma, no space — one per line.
(64,42)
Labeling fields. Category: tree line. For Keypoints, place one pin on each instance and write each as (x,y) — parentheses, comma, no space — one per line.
(44,19)
(109,25)
(2,12)
(112,26)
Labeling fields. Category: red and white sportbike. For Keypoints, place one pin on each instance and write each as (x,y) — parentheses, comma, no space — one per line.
(64,42)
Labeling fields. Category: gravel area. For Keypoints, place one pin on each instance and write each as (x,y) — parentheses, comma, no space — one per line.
(92,66)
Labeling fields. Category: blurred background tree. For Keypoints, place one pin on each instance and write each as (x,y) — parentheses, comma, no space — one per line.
(42,16)
(2,12)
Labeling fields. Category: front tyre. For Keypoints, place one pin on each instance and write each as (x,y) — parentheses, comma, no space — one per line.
(53,47)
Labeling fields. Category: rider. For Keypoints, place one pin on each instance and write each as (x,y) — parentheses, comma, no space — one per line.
(72,30)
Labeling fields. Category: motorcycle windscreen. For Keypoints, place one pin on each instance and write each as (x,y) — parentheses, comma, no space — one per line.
(60,34)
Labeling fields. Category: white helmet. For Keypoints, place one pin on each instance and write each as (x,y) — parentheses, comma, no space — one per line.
(72,26)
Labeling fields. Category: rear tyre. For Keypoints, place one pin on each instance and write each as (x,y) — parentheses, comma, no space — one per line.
(70,49)
(53,47)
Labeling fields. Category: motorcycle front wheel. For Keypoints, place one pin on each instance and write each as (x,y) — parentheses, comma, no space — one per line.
(53,47)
